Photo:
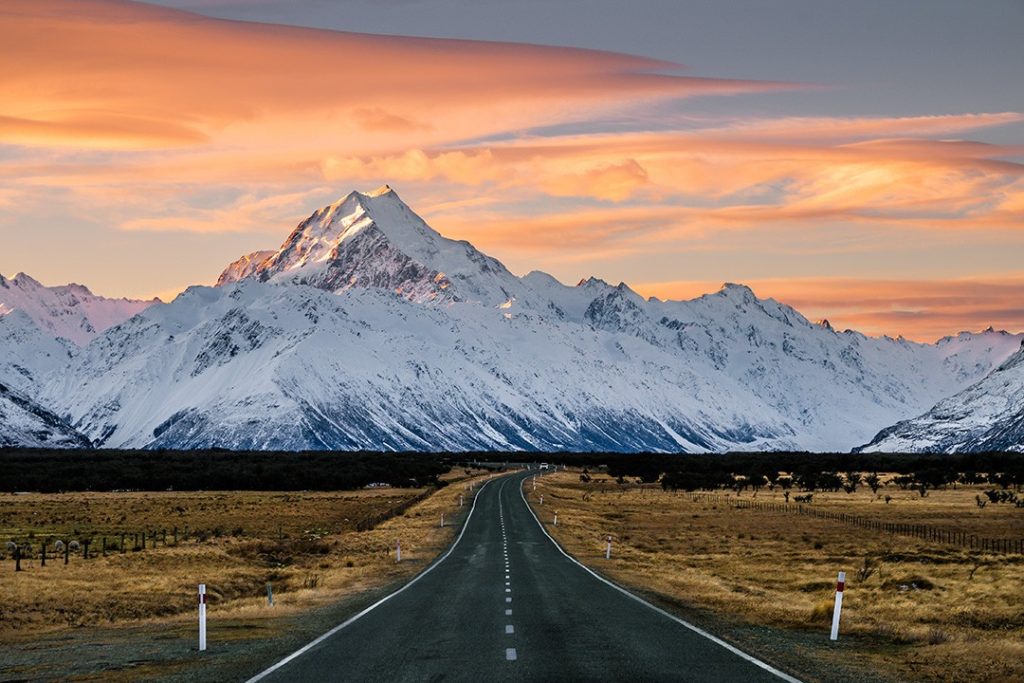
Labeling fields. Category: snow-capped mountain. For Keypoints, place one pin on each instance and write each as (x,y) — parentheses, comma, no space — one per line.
(23,422)
(71,312)
(987,416)
(367,329)
(258,365)
(375,240)
(29,354)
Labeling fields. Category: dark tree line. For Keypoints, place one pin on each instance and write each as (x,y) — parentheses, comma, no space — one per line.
(107,470)
(115,470)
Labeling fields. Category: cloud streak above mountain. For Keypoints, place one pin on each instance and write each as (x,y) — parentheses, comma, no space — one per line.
(113,74)
(150,128)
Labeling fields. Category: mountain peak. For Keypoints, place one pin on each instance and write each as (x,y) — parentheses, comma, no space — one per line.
(70,311)
(592,282)
(381,191)
(26,281)
(373,239)
(737,293)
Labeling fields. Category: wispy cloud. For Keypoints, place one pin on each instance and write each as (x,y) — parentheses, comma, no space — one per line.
(130,75)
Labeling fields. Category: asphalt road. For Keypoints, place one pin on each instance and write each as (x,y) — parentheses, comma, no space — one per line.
(506,603)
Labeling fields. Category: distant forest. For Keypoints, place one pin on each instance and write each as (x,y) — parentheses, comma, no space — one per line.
(205,470)
(113,470)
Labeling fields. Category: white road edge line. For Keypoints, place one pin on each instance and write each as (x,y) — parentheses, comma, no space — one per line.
(696,629)
(306,648)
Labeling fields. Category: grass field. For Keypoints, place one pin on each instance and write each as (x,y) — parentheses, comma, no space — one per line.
(305,544)
(913,609)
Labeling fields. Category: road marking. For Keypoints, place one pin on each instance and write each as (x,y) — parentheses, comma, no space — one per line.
(696,629)
(510,654)
(508,613)
(508,583)
(508,599)
(509,629)
(508,590)
(351,620)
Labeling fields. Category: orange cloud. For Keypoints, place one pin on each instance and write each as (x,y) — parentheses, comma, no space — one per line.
(143,76)
(248,214)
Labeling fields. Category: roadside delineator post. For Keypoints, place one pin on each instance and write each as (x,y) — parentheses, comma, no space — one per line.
(608,549)
(442,520)
(840,587)
(202,617)
(535,482)
(398,551)
(556,519)
(270,595)
(460,500)
(542,499)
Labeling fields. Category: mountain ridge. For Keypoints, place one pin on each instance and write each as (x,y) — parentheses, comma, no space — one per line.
(69,311)
(368,329)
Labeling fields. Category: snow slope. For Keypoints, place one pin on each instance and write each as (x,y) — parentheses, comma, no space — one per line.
(69,311)
(27,354)
(987,416)
(258,365)
(367,329)
(23,422)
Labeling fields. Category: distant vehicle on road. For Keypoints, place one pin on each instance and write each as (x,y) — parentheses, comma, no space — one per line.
(544,466)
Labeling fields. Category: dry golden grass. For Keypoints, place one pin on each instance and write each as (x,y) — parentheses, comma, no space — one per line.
(304,544)
(921,610)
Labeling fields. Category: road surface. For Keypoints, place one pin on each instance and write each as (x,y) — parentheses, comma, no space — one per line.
(506,604)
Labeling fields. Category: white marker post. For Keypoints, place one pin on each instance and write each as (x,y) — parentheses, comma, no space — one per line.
(270,595)
(535,482)
(608,549)
(398,551)
(460,500)
(556,519)
(442,520)
(542,499)
(202,617)
(840,586)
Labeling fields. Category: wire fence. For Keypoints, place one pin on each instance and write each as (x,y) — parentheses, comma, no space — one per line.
(925,532)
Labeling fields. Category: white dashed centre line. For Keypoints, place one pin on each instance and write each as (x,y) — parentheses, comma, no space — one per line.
(510,654)
(508,613)
(508,599)
(509,628)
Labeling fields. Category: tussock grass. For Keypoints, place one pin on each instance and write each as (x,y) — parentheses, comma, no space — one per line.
(304,543)
(921,610)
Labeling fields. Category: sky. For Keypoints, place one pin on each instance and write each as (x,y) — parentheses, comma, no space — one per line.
(863,162)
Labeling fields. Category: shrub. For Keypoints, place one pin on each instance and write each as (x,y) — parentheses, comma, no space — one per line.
(821,612)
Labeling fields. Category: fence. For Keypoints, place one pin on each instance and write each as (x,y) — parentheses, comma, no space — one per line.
(923,531)
(371,521)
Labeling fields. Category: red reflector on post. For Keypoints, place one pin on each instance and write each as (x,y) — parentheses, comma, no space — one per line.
(840,586)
